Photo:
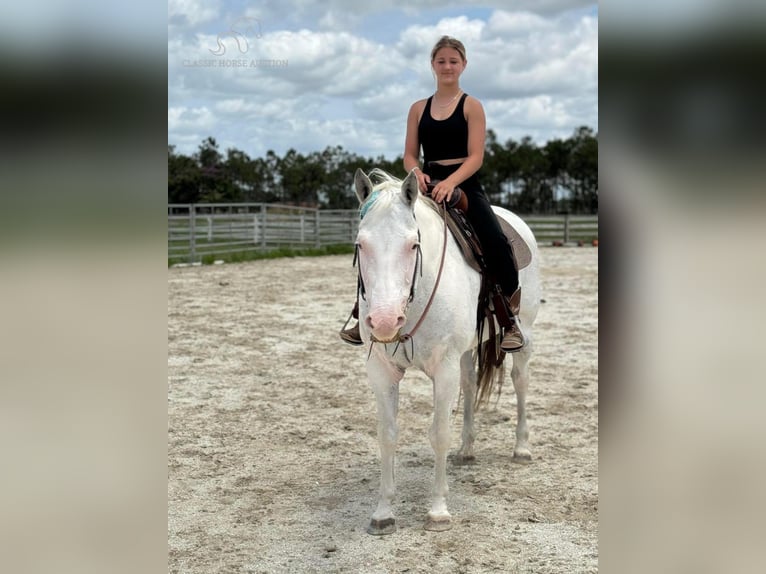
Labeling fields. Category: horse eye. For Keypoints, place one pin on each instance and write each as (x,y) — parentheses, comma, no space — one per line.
(414,247)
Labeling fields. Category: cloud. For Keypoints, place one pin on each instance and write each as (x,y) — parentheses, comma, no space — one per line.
(504,24)
(311,13)
(535,73)
(309,62)
(388,102)
(416,42)
(192,12)
(333,63)
(183,119)
(522,55)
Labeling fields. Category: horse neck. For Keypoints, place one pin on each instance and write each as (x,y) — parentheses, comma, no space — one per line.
(431,226)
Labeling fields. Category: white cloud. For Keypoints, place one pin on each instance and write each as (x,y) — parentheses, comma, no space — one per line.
(389,101)
(536,75)
(525,55)
(333,63)
(234,106)
(312,63)
(415,42)
(312,12)
(192,12)
(335,19)
(504,24)
(183,119)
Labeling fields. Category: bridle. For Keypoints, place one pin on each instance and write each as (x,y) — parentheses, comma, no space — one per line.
(399,337)
(418,262)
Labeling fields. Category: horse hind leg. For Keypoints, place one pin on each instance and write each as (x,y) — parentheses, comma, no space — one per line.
(468,383)
(520,377)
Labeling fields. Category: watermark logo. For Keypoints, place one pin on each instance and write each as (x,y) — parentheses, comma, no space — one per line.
(239,33)
(238,37)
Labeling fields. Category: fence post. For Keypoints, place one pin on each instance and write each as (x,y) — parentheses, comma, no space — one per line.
(192,233)
(303,228)
(316,227)
(566,228)
(209,228)
(263,226)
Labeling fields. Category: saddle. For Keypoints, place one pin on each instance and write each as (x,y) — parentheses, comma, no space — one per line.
(466,237)
(492,308)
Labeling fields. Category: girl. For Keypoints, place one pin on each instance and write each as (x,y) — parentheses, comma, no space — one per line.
(450,128)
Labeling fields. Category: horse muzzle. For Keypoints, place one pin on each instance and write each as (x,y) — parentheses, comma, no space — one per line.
(385,326)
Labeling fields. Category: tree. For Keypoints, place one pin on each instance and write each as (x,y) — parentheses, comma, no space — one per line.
(583,170)
(301,178)
(494,171)
(215,186)
(337,190)
(557,157)
(521,175)
(531,166)
(183,178)
(239,171)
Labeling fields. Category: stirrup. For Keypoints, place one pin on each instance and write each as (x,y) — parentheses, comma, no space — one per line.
(352,336)
(513,339)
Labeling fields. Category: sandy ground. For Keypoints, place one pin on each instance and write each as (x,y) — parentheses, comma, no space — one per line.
(272,449)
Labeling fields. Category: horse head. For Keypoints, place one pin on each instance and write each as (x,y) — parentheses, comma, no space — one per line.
(388,248)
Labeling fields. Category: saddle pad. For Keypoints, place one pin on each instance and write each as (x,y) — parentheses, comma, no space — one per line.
(521,253)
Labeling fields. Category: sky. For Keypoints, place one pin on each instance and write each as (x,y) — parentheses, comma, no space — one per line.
(275,75)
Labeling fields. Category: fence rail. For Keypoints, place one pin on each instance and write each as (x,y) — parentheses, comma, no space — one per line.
(202,232)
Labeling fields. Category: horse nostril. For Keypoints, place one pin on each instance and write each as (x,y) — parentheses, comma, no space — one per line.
(368,321)
(400,320)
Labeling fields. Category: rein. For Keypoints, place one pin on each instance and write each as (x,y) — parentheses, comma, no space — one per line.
(399,338)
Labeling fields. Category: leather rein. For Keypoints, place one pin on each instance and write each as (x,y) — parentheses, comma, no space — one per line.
(403,338)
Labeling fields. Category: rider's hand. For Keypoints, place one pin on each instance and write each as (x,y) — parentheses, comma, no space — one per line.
(442,191)
(423,179)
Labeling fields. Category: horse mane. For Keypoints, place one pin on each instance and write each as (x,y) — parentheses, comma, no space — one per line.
(384,180)
(385,190)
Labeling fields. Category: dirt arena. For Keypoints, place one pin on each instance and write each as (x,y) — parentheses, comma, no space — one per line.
(272,449)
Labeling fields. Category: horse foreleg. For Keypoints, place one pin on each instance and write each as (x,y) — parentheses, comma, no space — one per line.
(468,384)
(384,380)
(520,376)
(446,385)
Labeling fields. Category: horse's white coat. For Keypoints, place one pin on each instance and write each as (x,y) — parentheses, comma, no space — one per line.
(445,340)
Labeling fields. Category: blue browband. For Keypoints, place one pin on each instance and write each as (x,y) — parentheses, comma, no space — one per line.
(368,203)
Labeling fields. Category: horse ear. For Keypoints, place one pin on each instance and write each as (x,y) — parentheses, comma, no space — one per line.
(363,185)
(410,189)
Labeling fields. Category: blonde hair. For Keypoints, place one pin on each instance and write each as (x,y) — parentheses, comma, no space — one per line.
(448,42)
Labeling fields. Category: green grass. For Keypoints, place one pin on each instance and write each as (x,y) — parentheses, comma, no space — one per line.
(252,255)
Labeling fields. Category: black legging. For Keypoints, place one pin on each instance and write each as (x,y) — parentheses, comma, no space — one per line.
(497,252)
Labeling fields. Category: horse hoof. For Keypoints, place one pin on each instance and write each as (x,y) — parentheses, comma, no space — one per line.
(381,527)
(439,524)
(464,459)
(522,456)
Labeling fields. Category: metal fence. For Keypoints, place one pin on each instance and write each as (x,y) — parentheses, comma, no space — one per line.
(566,229)
(202,232)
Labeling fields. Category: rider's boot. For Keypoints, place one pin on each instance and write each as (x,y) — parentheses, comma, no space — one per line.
(352,335)
(513,338)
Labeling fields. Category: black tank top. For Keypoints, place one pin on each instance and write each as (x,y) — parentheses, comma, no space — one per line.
(443,139)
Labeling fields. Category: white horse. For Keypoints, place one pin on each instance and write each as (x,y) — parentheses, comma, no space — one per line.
(396,287)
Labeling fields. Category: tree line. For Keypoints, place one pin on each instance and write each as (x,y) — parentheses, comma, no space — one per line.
(560,176)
